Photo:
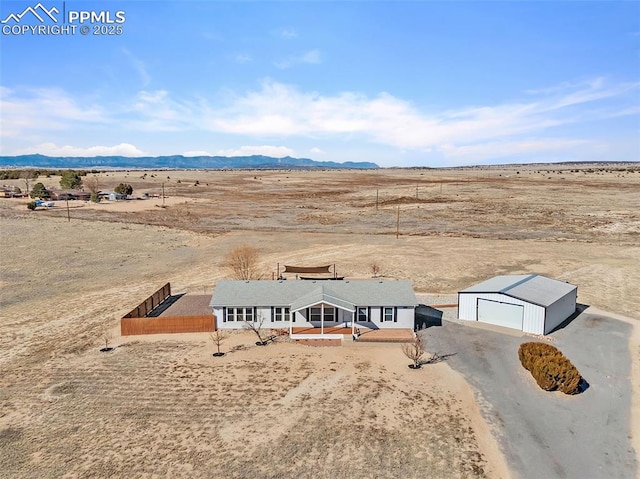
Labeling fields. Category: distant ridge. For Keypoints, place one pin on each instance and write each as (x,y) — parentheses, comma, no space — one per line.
(177,162)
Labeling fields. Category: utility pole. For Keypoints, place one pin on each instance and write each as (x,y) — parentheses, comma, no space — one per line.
(68,214)
(416,192)
(376,199)
(398,223)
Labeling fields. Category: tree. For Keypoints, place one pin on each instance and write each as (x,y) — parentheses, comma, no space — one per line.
(375,269)
(243,261)
(27,175)
(93,186)
(70,180)
(39,191)
(218,338)
(107,336)
(414,351)
(124,189)
(256,327)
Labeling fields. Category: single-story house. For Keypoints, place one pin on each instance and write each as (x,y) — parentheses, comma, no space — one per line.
(116,196)
(528,302)
(61,195)
(292,304)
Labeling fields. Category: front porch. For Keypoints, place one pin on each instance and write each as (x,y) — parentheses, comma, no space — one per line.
(342,333)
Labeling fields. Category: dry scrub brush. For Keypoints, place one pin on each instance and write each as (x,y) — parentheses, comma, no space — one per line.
(217,338)
(243,262)
(414,351)
(549,367)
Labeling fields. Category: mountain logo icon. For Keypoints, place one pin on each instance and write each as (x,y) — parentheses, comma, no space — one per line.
(39,11)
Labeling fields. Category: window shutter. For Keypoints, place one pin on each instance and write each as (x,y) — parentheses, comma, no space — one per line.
(395,314)
(224,315)
(368,313)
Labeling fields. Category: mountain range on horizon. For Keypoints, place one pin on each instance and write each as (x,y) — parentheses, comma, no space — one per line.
(177,162)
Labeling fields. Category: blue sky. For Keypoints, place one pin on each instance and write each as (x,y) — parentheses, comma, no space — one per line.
(397,83)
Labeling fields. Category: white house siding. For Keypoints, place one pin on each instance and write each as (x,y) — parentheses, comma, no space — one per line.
(405,318)
(533,315)
(560,310)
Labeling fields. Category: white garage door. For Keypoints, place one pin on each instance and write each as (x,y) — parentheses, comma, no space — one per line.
(500,314)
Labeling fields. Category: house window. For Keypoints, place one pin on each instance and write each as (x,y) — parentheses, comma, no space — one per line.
(239,314)
(330,314)
(388,314)
(363,315)
(281,314)
(315,314)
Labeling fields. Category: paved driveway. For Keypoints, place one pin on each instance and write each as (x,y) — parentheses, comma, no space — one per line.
(550,435)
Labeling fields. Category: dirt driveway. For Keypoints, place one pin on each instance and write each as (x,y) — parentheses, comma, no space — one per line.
(543,434)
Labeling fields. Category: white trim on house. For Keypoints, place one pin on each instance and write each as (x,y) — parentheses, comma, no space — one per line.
(344,297)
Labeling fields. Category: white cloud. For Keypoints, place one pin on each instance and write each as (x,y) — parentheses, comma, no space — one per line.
(288,33)
(282,110)
(266,150)
(51,149)
(316,150)
(30,110)
(139,66)
(197,153)
(515,150)
(242,58)
(309,57)
(276,111)
(312,56)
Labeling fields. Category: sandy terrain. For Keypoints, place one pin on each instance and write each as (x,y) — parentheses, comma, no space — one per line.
(165,407)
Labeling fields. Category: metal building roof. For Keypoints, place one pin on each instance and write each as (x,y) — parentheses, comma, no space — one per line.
(346,294)
(532,288)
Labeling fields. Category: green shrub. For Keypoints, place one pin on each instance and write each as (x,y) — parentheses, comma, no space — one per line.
(549,367)
(96,198)
(39,191)
(124,189)
(31,205)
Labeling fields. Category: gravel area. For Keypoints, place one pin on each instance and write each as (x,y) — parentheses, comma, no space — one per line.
(548,434)
(189,305)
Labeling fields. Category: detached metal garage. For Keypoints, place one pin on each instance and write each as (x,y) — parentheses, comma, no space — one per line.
(530,303)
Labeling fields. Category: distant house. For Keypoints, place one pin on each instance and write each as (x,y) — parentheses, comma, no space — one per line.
(116,196)
(527,302)
(369,304)
(62,195)
(11,192)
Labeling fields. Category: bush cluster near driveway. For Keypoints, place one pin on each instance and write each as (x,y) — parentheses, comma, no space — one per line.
(549,367)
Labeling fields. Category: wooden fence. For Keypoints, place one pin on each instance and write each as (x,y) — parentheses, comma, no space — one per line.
(168,324)
(150,303)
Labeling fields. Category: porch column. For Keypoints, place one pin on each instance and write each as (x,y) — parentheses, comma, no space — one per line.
(353,319)
(321,318)
(291,313)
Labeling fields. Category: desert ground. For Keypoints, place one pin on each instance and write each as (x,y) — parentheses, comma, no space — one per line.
(161,406)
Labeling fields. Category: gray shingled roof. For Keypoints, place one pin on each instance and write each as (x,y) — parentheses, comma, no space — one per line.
(532,288)
(345,294)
